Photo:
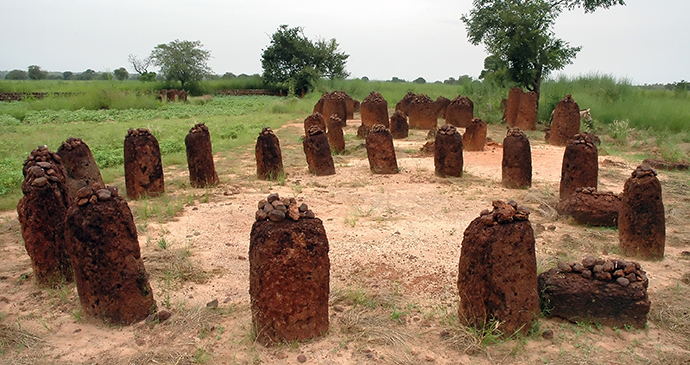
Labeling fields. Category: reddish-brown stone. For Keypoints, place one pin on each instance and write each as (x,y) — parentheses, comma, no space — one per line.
(381,151)
(202,171)
(527,111)
(41,213)
(374,110)
(336,138)
(363,131)
(404,104)
(318,107)
(289,280)
(318,152)
(399,126)
(517,160)
(422,112)
(335,104)
(441,104)
(171,94)
(269,158)
(351,105)
(574,297)
(566,122)
(314,119)
(474,138)
(580,165)
(448,160)
(641,220)
(143,166)
(111,280)
(588,206)
(512,106)
(460,112)
(79,164)
(497,276)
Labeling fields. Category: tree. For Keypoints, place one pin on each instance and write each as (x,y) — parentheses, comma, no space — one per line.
(520,34)
(293,59)
(142,68)
(121,73)
(67,75)
(35,73)
(419,80)
(183,61)
(89,74)
(17,75)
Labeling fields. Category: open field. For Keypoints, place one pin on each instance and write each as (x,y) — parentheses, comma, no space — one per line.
(394,251)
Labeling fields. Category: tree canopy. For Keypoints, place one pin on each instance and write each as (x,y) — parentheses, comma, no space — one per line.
(294,59)
(17,75)
(183,61)
(121,73)
(519,36)
(35,73)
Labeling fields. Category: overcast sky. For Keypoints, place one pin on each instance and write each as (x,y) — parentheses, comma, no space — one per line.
(645,41)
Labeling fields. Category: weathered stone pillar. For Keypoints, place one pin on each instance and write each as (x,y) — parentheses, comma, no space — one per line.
(460,111)
(566,122)
(111,280)
(374,110)
(336,138)
(641,220)
(289,272)
(474,138)
(591,207)
(448,159)
(143,165)
(269,158)
(381,151)
(41,214)
(422,112)
(580,165)
(512,106)
(202,171)
(527,111)
(442,104)
(497,276)
(404,104)
(399,127)
(335,104)
(79,164)
(314,119)
(517,160)
(318,152)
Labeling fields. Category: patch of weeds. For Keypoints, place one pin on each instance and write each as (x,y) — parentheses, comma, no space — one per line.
(162,243)
(620,130)
(12,338)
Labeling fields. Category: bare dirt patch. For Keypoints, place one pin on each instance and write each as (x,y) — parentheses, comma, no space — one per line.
(394,251)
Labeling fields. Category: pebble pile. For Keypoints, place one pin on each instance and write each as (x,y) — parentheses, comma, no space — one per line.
(504,213)
(96,193)
(622,272)
(277,209)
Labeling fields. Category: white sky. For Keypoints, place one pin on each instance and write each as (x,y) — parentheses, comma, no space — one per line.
(645,41)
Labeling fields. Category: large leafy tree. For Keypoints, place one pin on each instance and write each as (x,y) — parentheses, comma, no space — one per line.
(121,73)
(17,75)
(294,59)
(519,36)
(35,73)
(184,61)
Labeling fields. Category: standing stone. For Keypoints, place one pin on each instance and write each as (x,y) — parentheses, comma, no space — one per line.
(363,131)
(374,110)
(111,280)
(580,165)
(517,160)
(399,126)
(318,107)
(566,122)
(474,138)
(335,104)
(269,159)
(512,106)
(314,119)
(448,152)
(318,152)
(336,138)
(422,112)
(641,221)
(202,171)
(591,207)
(351,105)
(41,214)
(497,276)
(381,151)
(289,275)
(442,104)
(79,164)
(143,166)
(460,112)
(404,104)
(527,111)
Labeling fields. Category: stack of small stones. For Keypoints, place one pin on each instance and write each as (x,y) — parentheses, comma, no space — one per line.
(503,213)
(96,193)
(277,209)
(622,272)
(42,155)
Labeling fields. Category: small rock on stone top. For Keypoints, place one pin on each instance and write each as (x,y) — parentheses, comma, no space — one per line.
(276,209)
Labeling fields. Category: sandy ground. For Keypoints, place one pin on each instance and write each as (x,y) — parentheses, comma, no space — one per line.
(394,250)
